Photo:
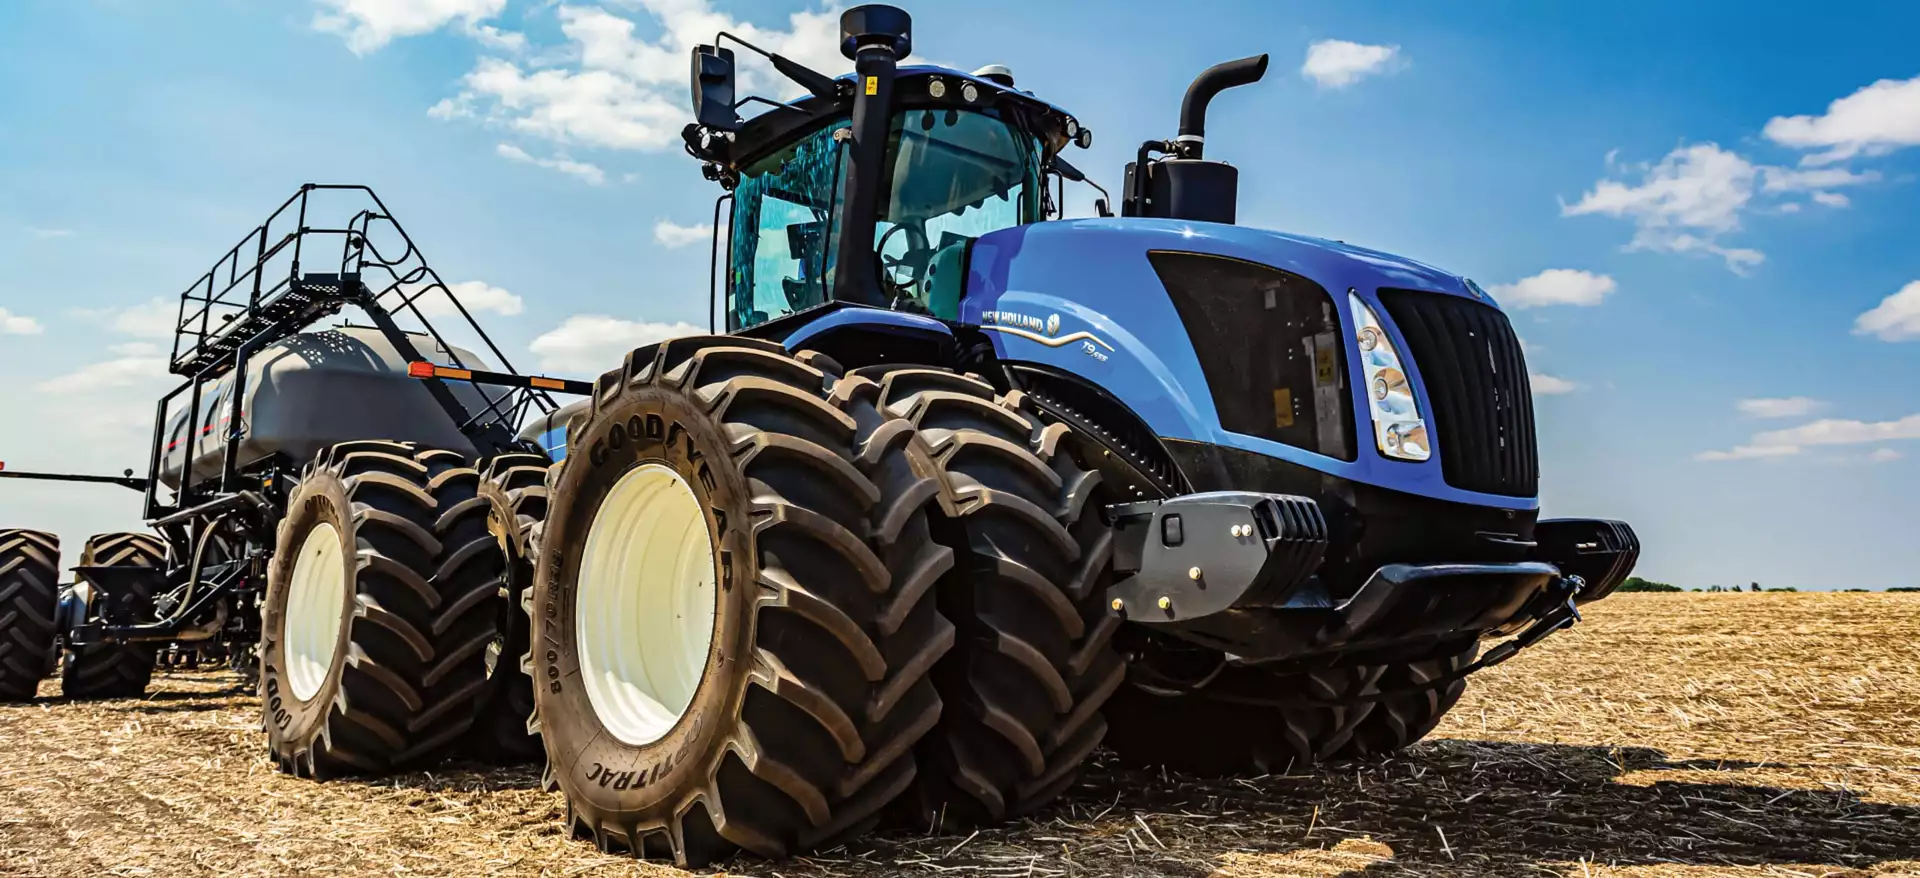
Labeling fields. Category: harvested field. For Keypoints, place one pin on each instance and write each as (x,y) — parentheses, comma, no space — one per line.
(1669,735)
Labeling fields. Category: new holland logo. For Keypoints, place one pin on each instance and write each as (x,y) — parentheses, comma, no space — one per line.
(1046,332)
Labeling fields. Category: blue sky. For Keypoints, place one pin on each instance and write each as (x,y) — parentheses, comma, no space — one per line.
(1712,204)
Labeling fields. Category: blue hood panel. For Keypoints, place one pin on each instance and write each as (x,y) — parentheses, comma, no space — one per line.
(1081,296)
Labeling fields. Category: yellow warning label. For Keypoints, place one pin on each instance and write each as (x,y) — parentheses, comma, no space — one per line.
(1283,407)
(1323,366)
(873,85)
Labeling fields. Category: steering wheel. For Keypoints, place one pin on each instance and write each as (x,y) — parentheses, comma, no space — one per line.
(901,274)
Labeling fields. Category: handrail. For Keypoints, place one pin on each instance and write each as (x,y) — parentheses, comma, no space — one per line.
(407,276)
(238,299)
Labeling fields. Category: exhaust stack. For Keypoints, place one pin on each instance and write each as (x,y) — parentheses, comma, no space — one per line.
(1183,184)
(1212,81)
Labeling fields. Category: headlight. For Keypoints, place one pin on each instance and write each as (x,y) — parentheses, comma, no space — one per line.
(1398,430)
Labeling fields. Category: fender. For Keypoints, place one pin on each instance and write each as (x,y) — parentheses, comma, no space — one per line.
(819,332)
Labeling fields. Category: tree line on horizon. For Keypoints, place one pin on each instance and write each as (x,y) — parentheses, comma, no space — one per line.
(1635,583)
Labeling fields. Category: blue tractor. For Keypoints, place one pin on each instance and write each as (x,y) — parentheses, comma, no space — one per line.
(964,490)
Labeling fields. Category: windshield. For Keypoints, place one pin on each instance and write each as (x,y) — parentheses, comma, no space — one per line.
(952,176)
(778,258)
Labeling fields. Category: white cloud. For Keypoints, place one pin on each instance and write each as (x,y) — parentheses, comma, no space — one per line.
(1555,286)
(672,235)
(369,24)
(1835,431)
(48,233)
(590,173)
(1749,452)
(1884,455)
(1547,385)
(1779,407)
(1814,181)
(624,91)
(1683,204)
(594,343)
(495,38)
(14,324)
(476,296)
(1697,194)
(135,349)
(1791,180)
(155,318)
(1896,318)
(126,371)
(1339,63)
(1826,431)
(592,108)
(1875,120)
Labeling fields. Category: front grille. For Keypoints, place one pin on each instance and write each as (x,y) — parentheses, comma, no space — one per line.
(1476,380)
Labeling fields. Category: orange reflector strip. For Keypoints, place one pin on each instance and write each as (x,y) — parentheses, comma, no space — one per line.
(548,383)
(420,370)
(456,374)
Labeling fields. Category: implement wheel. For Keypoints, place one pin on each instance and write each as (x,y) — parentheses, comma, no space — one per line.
(115,670)
(378,611)
(1033,662)
(29,594)
(733,615)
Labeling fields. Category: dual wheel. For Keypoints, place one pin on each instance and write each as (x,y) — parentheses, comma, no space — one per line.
(383,600)
(777,603)
(30,596)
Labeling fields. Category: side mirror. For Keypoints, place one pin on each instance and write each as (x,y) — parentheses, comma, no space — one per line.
(712,81)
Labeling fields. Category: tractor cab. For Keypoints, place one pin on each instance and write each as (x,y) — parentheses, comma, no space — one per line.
(950,176)
(870,189)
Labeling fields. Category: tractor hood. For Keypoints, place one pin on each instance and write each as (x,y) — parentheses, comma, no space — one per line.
(1136,303)
(1317,258)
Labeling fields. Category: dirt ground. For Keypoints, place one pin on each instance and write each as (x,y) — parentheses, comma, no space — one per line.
(1669,735)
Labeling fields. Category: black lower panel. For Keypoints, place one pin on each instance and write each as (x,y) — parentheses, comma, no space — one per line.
(1368,526)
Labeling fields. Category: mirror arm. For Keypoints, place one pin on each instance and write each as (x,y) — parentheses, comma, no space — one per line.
(769,101)
(812,80)
(1068,172)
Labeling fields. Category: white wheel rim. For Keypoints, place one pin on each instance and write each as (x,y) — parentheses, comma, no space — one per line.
(645,604)
(316,603)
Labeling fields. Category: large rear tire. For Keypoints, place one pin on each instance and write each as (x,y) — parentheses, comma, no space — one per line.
(29,595)
(1033,661)
(515,486)
(734,617)
(115,670)
(378,613)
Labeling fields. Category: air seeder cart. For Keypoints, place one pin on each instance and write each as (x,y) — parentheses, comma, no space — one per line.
(320,462)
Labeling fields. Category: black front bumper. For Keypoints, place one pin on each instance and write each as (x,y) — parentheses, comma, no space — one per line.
(1248,574)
